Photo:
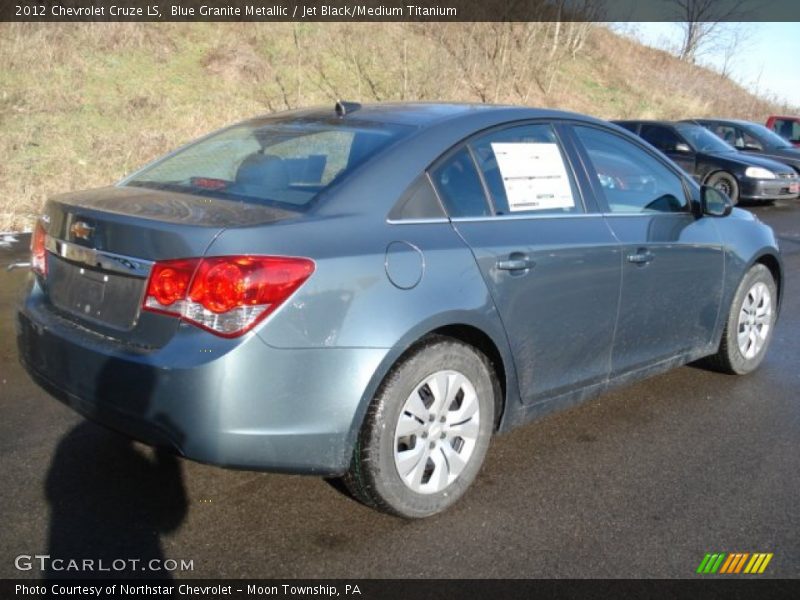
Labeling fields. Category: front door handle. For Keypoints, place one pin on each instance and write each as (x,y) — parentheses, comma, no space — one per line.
(516,261)
(19,265)
(641,257)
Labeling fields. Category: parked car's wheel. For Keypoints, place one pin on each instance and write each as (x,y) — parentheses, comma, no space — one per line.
(750,324)
(426,431)
(726,183)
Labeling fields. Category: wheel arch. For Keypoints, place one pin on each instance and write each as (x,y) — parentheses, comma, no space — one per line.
(479,340)
(716,171)
(775,267)
(723,360)
(487,337)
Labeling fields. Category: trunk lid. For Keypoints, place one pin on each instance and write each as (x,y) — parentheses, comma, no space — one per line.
(103,242)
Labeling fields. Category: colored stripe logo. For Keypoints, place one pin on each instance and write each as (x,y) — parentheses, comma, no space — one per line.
(734,563)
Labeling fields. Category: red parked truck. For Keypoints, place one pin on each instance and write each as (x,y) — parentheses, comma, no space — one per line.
(786,127)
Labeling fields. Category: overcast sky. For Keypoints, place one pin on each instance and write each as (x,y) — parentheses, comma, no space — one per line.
(768,59)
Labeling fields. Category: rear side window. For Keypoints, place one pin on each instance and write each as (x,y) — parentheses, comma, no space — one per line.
(626,125)
(660,137)
(459,186)
(419,202)
(286,163)
(632,180)
(525,171)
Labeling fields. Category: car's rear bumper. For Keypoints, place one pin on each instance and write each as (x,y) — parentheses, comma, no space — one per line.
(247,405)
(768,189)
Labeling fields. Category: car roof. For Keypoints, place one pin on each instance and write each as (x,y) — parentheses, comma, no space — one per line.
(645,122)
(716,120)
(415,114)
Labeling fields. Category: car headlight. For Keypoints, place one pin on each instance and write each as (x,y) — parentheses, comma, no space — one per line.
(759,173)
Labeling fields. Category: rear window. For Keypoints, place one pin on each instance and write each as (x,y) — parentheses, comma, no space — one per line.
(286,164)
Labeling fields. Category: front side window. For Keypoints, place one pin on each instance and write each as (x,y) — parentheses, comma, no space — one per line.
(730,135)
(747,141)
(632,180)
(736,136)
(525,171)
(702,139)
(287,164)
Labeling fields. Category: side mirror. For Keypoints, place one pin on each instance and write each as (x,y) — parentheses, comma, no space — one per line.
(683,148)
(714,203)
(754,146)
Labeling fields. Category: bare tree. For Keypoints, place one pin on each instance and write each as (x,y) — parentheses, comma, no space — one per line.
(704,23)
(495,59)
(738,40)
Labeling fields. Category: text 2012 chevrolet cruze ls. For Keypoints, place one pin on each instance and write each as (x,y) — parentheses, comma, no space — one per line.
(372,292)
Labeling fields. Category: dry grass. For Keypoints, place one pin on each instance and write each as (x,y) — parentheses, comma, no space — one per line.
(83,104)
(647,83)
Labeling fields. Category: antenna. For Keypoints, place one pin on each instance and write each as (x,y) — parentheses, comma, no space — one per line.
(342,108)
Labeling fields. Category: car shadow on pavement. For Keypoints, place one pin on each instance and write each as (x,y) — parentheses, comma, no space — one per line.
(111,499)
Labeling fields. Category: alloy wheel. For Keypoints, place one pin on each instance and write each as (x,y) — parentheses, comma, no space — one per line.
(437,431)
(755,320)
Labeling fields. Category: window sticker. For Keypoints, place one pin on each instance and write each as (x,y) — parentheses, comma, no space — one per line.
(534,176)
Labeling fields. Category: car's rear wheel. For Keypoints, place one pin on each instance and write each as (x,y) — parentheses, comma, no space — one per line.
(751,321)
(725,183)
(426,431)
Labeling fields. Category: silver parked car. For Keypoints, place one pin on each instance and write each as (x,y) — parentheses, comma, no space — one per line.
(371,292)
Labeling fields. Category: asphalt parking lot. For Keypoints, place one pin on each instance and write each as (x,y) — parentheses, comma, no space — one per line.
(639,483)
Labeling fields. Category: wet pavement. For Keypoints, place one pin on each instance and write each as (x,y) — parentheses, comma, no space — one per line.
(639,483)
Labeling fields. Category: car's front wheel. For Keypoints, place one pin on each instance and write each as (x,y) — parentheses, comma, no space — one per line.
(725,183)
(426,431)
(750,324)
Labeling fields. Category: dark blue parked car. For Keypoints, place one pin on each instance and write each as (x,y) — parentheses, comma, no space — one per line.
(372,292)
(753,138)
(711,161)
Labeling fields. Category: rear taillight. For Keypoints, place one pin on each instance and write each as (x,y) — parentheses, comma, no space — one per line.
(38,250)
(227,295)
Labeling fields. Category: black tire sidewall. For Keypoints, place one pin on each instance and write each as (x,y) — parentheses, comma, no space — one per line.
(734,185)
(386,481)
(740,364)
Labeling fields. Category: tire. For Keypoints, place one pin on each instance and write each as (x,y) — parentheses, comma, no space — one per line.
(725,182)
(757,293)
(408,429)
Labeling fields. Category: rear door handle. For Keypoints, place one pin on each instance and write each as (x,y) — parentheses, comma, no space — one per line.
(515,262)
(641,257)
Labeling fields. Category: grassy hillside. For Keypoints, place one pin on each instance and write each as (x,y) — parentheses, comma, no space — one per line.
(83,104)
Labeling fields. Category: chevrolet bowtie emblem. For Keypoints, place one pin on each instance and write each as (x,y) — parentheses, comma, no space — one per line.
(81,230)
